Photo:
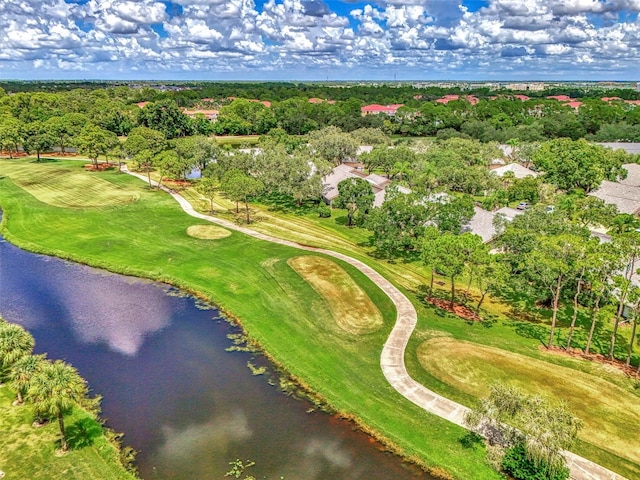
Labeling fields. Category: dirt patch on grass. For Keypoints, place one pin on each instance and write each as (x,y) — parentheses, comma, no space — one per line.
(208,232)
(610,413)
(592,357)
(459,310)
(91,167)
(350,306)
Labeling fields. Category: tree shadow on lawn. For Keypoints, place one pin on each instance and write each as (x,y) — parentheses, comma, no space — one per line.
(530,330)
(44,160)
(471,440)
(83,433)
(405,256)
(285,204)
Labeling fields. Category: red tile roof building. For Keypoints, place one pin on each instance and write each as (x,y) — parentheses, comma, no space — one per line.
(560,98)
(210,114)
(378,109)
(450,98)
(572,104)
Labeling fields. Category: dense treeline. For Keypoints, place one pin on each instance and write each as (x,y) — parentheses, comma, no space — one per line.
(496,117)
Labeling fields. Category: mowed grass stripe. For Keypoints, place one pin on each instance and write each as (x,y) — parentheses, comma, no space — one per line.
(350,306)
(610,414)
(62,187)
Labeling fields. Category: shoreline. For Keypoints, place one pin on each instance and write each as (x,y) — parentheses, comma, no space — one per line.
(302,389)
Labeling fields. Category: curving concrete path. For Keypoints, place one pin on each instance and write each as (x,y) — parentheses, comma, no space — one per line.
(392,357)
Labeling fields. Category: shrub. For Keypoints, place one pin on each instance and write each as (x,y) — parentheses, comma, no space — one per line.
(516,464)
(324,211)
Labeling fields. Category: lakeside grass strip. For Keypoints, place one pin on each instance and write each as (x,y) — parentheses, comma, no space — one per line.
(208,232)
(66,188)
(27,452)
(610,414)
(350,306)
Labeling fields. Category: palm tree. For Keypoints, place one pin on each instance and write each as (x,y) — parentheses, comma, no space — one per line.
(15,342)
(22,371)
(54,390)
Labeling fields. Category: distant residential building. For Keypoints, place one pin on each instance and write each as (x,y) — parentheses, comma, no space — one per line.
(376,109)
(342,172)
(531,87)
(210,114)
(560,98)
(516,169)
(450,98)
(575,104)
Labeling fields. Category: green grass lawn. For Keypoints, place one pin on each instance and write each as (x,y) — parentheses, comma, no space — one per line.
(237,140)
(27,452)
(251,281)
(604,439)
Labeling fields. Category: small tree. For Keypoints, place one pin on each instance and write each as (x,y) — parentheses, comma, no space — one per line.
(356,196)
(208,187)
(15,343)
(55,390)
(22,372)
(511,419)
(94,141)
(37,139)
(239,187)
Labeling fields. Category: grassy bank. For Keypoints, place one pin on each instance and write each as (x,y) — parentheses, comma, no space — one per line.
(253,281)
(29,452)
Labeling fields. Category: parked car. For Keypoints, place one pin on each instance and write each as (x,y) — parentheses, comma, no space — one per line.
(523,206)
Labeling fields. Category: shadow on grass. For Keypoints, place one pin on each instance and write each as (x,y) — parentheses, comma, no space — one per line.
(471,440)
(44,160)
(529,330)
(283,203)
(83,433)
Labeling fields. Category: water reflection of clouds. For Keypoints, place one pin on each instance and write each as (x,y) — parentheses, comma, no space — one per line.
(120,313)
(320,456)
(201,441)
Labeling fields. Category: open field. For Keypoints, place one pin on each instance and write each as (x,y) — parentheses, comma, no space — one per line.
(29,453)
(470,368)
(351,308)
(237,140)
(65,187)
(251,281)
(207,232)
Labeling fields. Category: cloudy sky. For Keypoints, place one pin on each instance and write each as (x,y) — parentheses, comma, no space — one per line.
(320,39)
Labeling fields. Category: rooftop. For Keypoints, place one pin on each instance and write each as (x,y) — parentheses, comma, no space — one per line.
(518,171)
(481,223)
(624,194)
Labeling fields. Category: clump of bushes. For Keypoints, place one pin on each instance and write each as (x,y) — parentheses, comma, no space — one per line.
(324,211)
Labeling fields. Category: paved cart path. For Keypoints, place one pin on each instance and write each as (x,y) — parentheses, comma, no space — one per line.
(392,358)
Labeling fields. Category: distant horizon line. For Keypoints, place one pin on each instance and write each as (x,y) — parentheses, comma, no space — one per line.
(49,80)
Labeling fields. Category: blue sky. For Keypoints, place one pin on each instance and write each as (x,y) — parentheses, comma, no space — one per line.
(320,39)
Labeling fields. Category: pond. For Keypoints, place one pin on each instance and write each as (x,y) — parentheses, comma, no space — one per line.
(184,402)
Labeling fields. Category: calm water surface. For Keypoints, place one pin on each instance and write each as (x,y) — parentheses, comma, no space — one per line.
(187,405)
